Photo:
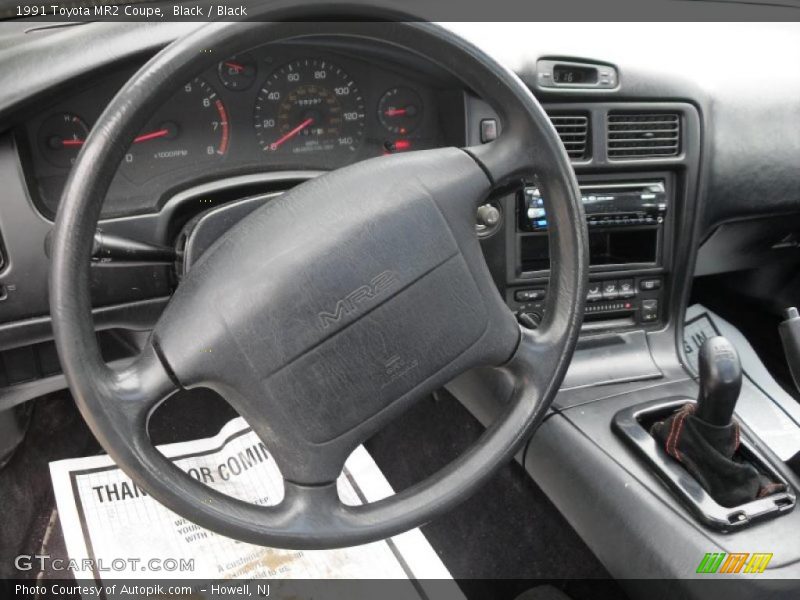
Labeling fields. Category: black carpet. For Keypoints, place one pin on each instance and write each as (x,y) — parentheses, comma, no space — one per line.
(509,530)
(26,495)
(188,416)
(57,431)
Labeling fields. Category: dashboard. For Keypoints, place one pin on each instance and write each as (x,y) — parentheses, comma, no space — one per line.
(254,124)
(295,110)
(277,107)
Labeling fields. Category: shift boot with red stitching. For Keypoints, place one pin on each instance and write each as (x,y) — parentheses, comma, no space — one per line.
(708,452)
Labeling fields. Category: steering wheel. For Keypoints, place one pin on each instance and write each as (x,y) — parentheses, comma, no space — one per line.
(327,312)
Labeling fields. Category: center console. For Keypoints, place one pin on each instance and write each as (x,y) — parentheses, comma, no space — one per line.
(639,510)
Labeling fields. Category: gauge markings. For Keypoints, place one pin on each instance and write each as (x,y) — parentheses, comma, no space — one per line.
(238,73)
(309,105)
(191,127)
(400,110)
(60,138)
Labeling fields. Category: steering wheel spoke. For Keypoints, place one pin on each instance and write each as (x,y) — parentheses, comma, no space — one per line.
(130,393)
(533,363)
(140,386)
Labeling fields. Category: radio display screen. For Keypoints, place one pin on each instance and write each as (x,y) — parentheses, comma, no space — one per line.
(604,206)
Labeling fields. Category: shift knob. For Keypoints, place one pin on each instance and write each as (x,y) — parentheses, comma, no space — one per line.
(720,381)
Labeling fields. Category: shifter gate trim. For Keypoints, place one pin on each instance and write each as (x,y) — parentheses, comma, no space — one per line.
(627,425)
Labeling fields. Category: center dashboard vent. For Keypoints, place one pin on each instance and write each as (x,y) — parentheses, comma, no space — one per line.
(573,129)
(643,134)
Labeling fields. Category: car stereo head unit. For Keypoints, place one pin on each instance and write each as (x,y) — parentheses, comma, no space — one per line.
(605,205)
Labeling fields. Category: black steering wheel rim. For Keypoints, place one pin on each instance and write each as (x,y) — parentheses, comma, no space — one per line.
(117,403)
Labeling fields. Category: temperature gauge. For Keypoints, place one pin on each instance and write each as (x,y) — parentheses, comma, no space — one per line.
(400,110)
(61,137)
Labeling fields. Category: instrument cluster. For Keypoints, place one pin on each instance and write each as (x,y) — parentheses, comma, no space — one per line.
(279,107)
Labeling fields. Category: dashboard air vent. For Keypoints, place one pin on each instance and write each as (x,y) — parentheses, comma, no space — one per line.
(573,129)
(643,134)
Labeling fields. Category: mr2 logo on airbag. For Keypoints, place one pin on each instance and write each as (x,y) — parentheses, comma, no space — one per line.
(350,303)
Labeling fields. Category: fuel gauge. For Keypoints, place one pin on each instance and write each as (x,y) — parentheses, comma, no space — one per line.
(237,73)
(61,137)
(400,110)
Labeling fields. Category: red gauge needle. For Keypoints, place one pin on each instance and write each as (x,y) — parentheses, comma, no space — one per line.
(142,138)
(235,66)
(151,136)
(274,145)
(396,112)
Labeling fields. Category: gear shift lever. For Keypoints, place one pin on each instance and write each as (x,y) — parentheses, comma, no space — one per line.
(720,381)
(704,437)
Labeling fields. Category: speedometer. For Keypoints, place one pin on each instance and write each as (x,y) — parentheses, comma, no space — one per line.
(309,105)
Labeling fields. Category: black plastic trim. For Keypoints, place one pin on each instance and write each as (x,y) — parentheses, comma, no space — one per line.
(627,424)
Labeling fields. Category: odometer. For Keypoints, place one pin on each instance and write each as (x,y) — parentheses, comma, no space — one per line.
(309,105)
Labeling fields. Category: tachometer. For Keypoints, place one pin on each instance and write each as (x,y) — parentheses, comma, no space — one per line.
(309,105)
(189,129)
